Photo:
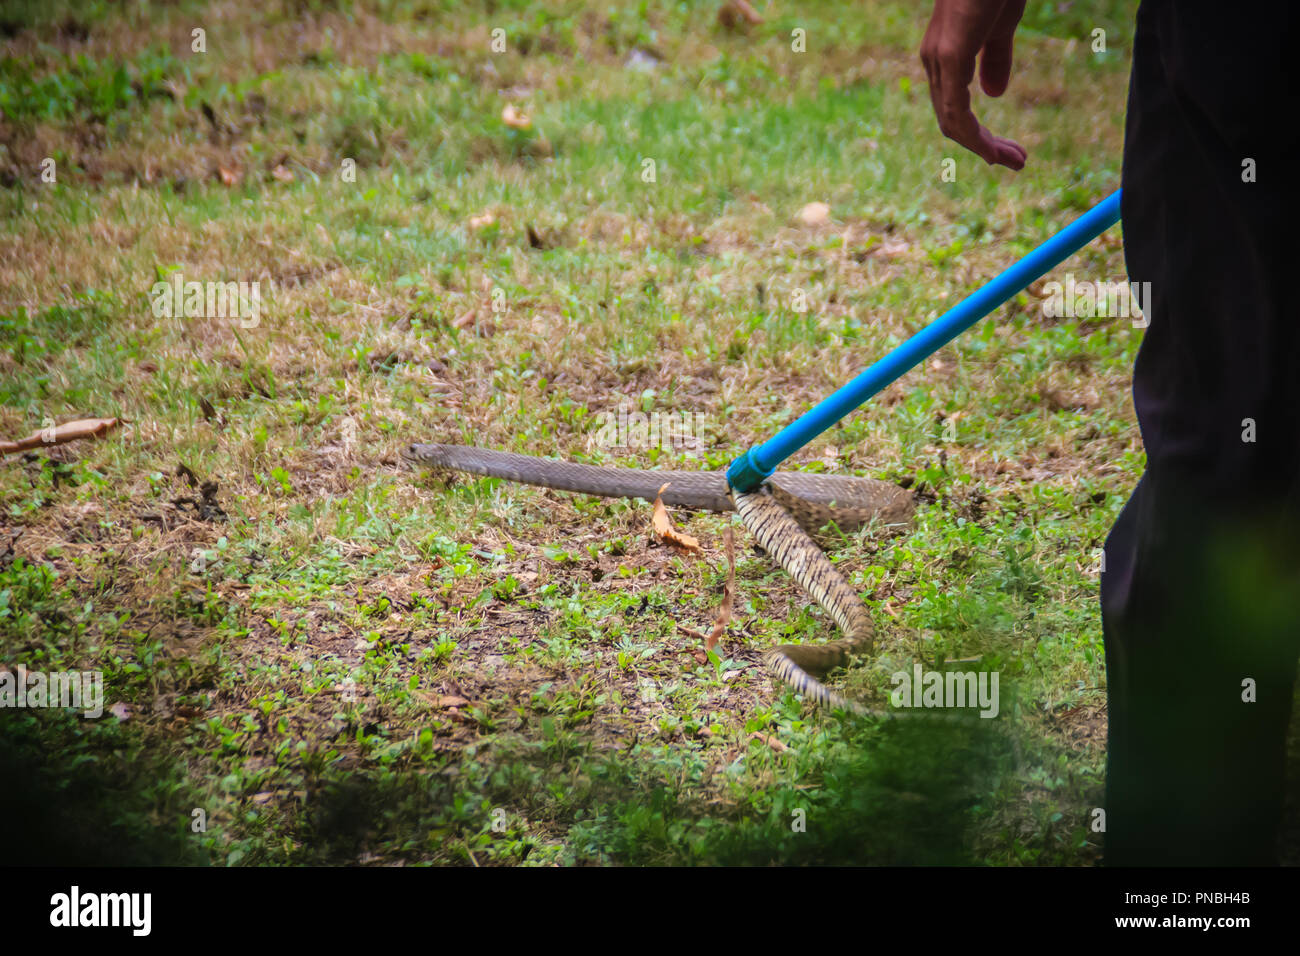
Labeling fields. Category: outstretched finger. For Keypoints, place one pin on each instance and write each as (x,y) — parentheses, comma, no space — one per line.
(950,94)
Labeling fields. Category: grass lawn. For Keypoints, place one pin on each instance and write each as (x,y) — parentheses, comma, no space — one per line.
(330,658)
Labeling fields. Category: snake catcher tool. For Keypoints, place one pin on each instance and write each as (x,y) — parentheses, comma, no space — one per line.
(784,509)
(755,466)
(788,543)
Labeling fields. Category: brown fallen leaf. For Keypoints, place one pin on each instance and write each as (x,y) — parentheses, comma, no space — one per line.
(283,173)
(815,213)
(68,431)
(465,320)
(891,249)
(734,13)
(663,527)
(228,177)
(1059,400)
(444,701)
(770,741)
(516,119)
(699,655)
(728,596)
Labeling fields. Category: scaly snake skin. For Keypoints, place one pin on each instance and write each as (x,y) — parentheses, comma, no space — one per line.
(782,516)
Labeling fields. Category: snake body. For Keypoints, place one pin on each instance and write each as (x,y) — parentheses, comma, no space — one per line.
(783,516)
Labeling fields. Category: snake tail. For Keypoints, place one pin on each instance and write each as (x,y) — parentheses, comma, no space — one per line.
(686,489)
(791,547)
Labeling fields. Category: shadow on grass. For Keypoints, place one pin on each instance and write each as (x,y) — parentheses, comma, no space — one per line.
(906,793)
(79,794)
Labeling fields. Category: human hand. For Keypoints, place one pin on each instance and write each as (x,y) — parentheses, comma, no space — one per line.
(959,31)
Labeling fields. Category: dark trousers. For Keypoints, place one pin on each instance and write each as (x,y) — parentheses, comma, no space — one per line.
(1201,587)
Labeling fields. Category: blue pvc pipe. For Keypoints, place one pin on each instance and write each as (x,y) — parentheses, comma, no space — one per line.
(755,466)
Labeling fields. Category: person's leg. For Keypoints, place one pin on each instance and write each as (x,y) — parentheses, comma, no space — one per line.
(1200,593)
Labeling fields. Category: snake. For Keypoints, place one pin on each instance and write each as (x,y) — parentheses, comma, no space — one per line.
(786,515)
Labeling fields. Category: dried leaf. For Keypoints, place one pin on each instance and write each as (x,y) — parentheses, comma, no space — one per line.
(516,119)
(283,173)
(770,741)
(228,177)
(444,701)
(699,655)
(68,431)
(728,597)
(1059,400)
(891,249)
(481,222)
(663,527)
(643,60)
(734,13)
(815,213)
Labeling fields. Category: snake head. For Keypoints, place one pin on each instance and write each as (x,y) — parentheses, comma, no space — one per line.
(420,454)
